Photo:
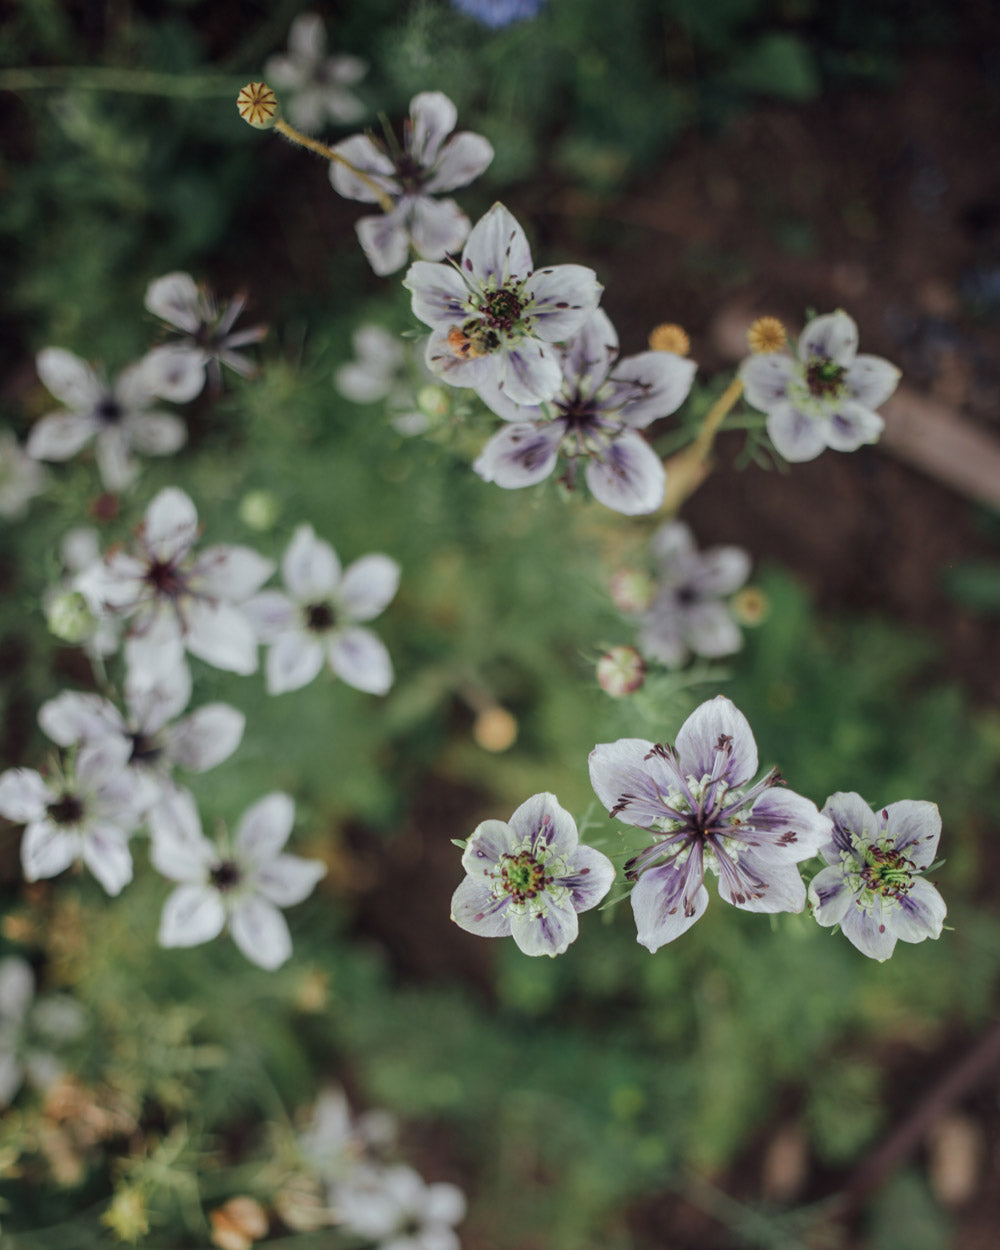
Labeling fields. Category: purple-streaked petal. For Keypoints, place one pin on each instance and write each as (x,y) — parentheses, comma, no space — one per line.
(759,884)
(479,373)
(191,915)
(850,815)
(662,382)
(175,298)
(796,435)
(589,877)
(498,402)
(496,249)
(765,379)
(175,372)
(432,119)
(229,572)
(206,737)
(358,657)
(548,824)
(178,849)
(792,826)
(710,630)
(545,928)
(171,525)
(630,478)
(106,854)
(69,378)
(833,336)
(474,909)
(436,227)
(221,636)
(102,761)
(559,299)
(152,703)
(830,896)
(60,435)
(720,570)
(660,636)
(47,850)
(288,879)
(73,717)
(385,240)
(919,914)
(264,828)
(490,840)
(530,372)
(271,614)
(871,380)
(154,433)
(520,455)
(849,426)
(717,725)
(440,297)
(261,932)
(463,158)
(867,930)
(633,777)
(365,156)
(666,902)
(368,586)
(913,827)
(591,353)
(293,661)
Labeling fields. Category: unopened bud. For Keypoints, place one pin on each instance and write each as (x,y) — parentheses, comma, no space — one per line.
(669,338)
(621,671)
(257,105)
(767,334)
(750,606)
(259,510)
(68,616)
(631,590)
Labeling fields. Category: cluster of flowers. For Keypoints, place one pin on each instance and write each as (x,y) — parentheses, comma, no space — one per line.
(697,798)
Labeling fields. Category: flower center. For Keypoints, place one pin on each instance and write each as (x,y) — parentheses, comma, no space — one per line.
(521,876)
(320,617)
(66,810)
(165,578)
(145,749)
(108,411)
(502,309)
(225,875)
(886,872)
(825,378)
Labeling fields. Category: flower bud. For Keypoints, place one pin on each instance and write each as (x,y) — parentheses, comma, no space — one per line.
(669,338)
(259,510)
(68,616)
(433,401)
(621,671)
(631,590)
(257,105)
(750,606)
(767,334)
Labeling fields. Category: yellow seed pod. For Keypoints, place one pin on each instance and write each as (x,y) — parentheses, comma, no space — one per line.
(257,105)
(669,338)
(767,334)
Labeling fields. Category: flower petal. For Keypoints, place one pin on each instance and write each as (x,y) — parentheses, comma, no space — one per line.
(662,382)
(176,299)
(850,426)
(496,249)
(913,826)
(175,372)
(710,630)
(591,353)
(830,896)
(792,827)
(46,850)
(474,909)
(69,378)
(871,380)
(293,661)
(866,929)
(288,879)
(591,875)
(171,525)
(666,902)
(717,725)
(358,657)
(489,840)
(630,478)
(364,155)
(530,372)
(833,336)
(919,914)
(559,299)
(24,795)
(261,932)
(796,435)
(463,158)
(437,227)
(206,737)
(629,775)
(760,884)
(191,915)
(221,635)
(549,826)
(765,379)
(106,854)
(60,435)
(73,717)
(155,433)
(271,614)
(264,828)
(385,240)
(368,586)
(519,455)
(545,928)
(229,572)
(115,463)
(439,296)
(850,815)
(432,119)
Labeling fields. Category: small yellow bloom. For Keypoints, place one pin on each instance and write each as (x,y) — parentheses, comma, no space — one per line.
(669,338)
(767,334)
(257,105)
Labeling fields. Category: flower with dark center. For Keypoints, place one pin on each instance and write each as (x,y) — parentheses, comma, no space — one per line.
(874,887)
(66,810)
(225,875)
(320,617)
(314,86)
(205,337)
(428,163)
(529,878)
(826,397)
(695,797)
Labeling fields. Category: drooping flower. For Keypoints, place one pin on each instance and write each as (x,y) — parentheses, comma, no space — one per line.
(696,800)
(428,163)
(196,742)
(529,877)
(30,1028)
(594,417)
(21,477)
(87,814)
(498,13)
(494,318)
(318,621)
(874,887)
(117,416)
(206,334)
(240,883)
(689,612)
(827,396)
(174,598)
(395,1208)
(314,86)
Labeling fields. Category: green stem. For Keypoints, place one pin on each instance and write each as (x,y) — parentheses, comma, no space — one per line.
(113,78)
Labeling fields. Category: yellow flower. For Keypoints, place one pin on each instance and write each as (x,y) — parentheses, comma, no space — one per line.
(767,334)
(669,338)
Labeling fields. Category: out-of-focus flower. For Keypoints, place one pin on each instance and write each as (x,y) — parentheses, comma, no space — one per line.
(387,368)
(127,1214)
(314,86)
(87,814)
(874,887)
(117,416)
(334,1142)
(767,334)
(595,417)
(259,509)
(29,1028)
(21,477)
(695,799)
(174,599)
(206,334)
(494,318)
(528,878)
(395,1208)
(497,13)
(632,590)
(428,163)
(67,611)
(494,729)
(238,1223)
(669,338)
(621,671)
(197,742)
(689,612)
(242,882)
(317,621)
(825,398)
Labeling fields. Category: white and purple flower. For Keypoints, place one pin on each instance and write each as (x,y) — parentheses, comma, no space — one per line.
(428,163)
(594,417)
(175,599)
(314,86)
(396,1209)
(874,887)
(529,877)
(240,882)
(117,416)
(499,13)
(318,621)
(825,398)
(86,813)
(30,1028)
(696,800)
(689,612)
(495,318)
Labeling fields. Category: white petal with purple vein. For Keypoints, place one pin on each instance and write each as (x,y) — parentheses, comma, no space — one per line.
(368,586)
(359,657)
(474,909)
(69,378)
(833,336)
(261,932)
(631,478)
(60,435)
(264,828)
(385,240)
(191,915)
(545,928)
(559,299)
(796,435)
(463,158)
(293,661)
(496,249)
(520,455)
(717,725)
(288,879)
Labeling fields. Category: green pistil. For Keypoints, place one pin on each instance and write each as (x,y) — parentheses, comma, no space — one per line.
(502,310)
(879,871)
(522,876)
(824,378)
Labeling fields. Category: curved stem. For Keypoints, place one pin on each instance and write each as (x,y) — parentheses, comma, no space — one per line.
(321,149)
(688,468)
